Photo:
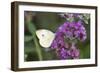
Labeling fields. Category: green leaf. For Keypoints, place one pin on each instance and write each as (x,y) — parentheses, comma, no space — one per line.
(28,38)
(70,19)
(31,28)
(86,17)
(86,21)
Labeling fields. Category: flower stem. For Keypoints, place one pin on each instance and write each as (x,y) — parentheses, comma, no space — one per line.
(32,30)
(38,49)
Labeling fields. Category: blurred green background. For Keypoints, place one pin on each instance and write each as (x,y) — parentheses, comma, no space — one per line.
(50,21)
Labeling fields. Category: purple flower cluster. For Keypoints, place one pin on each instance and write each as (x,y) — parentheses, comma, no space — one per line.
(58,42)
(73,30)
(69,30)
(68,53)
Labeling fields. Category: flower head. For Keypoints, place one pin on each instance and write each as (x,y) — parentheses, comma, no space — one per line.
(74,52)
(73,30)
(58,42)
(70,31)
(62,53)
(68,53)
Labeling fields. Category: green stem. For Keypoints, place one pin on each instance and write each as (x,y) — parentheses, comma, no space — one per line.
(38,49)
(32,30)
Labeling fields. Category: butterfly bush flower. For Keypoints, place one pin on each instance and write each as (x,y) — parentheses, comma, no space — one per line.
(73,30)
(63,53)
(73,52)
(69,30)
(68,53)
(58,42)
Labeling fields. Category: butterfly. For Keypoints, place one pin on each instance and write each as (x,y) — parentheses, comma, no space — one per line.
(45,37)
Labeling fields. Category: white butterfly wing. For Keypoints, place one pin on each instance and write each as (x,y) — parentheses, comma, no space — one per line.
(46,37)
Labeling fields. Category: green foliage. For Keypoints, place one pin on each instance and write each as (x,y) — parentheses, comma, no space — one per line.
(86,18)
(50,21)
(29,47)
(31,27)
(28,38)
(84,51)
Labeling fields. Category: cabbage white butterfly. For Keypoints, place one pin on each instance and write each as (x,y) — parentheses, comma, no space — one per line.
(45,37)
